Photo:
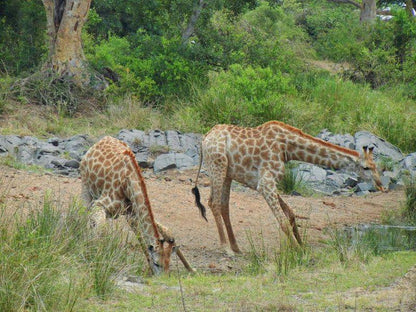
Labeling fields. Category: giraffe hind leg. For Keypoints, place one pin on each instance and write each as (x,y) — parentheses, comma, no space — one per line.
(225,213)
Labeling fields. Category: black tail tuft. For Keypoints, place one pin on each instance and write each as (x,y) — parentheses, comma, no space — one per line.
(201,207)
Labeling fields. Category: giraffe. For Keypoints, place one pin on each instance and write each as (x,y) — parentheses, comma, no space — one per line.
(113,185)
(256,157)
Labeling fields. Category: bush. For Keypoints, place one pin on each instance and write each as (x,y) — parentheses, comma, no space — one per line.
(244,96)
(151,68)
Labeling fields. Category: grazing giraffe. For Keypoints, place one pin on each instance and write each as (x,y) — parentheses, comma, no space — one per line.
(113,185)
(256,157)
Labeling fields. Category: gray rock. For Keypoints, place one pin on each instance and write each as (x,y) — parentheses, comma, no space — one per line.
(381,147)
(72,164)
(310,173)
(345,140)
(364,187)
(172,160)
(157,138)
(134,138)
(409,163)
(172,138)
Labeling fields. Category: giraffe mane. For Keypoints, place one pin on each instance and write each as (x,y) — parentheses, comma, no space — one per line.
(316,140)
(129,153)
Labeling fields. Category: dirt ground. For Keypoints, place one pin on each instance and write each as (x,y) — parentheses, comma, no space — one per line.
(173,205)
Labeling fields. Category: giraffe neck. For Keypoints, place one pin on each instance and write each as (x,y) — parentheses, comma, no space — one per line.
(321,153)
(304,147)
(141,204)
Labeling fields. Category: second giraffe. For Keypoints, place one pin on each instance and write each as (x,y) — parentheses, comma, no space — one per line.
(256,157)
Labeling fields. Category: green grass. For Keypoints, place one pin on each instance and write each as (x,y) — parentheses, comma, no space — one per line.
(314,288)
(50,260)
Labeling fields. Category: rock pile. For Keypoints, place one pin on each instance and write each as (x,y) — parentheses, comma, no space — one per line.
(163,150)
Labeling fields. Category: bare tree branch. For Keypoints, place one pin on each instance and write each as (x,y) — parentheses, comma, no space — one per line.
(190,29)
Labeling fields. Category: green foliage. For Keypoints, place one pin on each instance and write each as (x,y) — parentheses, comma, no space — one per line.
(151,68)
(22,36)
(244,96)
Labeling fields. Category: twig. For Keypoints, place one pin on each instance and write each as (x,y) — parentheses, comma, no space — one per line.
(180,287)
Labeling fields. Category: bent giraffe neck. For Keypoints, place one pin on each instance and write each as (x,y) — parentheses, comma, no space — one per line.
(141,204)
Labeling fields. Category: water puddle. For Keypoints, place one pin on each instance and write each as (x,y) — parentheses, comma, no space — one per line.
(383,238)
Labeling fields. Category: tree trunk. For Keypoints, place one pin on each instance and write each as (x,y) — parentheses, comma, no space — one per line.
(65,19)
(368,11)
(188,32)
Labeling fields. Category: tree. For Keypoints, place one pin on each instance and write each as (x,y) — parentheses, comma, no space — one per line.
(368,9)
(65,19)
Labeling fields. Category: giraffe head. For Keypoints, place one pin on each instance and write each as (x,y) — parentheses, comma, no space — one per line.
(160,256)
(366,162)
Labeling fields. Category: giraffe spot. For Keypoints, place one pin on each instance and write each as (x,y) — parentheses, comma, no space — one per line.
(256,150)
(100,183)
(323,152)
(265,154)
(101,172)
(243,150)
(95,167)
(291,147)
(101,158)
(247,162)
(309,159)
(302,141)
(311,149)
(300,155)
(251,150)
(236,158)
(270,135)
(93,176)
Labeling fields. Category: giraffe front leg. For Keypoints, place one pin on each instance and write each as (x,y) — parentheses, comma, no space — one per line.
(291,217)
(167,236)
(285,217)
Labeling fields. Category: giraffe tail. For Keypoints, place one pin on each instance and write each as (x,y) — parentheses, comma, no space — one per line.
(201,207)
(195,191)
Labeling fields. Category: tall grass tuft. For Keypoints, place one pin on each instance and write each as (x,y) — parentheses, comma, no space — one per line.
(50,260)
(409,210)
(283,258)
(292,181)
(257,253)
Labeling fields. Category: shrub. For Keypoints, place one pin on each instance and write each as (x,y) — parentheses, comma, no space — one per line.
(245,96)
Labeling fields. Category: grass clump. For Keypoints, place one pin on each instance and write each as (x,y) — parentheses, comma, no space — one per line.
(291,182)
(409,210)
(50,260)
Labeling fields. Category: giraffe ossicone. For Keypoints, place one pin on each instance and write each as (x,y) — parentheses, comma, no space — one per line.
(256,157)
(113,185)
